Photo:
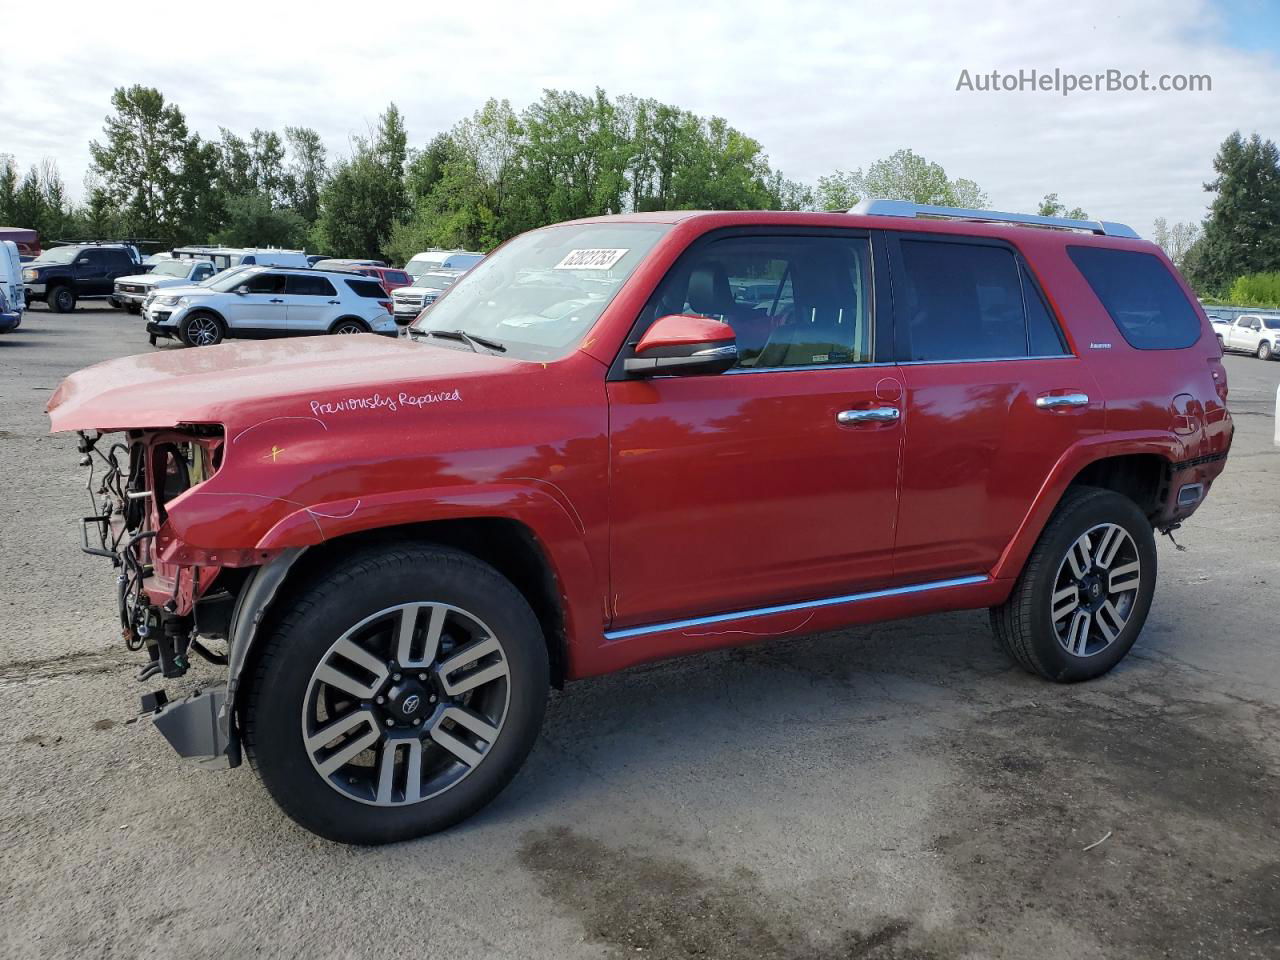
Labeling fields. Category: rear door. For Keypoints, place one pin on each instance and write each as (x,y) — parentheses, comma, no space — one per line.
(777,481)
(993,399)
(312,302)
(261,306)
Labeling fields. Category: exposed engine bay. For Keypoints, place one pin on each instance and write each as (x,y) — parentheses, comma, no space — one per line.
(163,606)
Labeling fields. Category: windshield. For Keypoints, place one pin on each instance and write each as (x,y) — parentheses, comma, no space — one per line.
(539,294)
(417,267)
(227,279)
(58,255)
(172,268)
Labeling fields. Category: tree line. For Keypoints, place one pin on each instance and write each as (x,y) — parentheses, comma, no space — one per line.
(501,171)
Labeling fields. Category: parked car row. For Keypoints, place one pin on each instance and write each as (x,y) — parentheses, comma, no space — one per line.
(12,295)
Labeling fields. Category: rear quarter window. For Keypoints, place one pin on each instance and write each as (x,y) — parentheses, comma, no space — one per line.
(371,289)
(1141,295)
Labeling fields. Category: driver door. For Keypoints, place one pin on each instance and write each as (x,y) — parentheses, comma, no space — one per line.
(766,484)
(258,304)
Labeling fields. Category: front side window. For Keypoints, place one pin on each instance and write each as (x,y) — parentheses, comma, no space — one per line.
(1147,305)
(792,301)
(969,301)
(540,293)
(265,283)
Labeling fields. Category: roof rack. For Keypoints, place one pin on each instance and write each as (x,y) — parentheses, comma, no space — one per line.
(905,208)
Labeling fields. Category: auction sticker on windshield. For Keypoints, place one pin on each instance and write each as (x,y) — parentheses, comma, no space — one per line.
(598,259)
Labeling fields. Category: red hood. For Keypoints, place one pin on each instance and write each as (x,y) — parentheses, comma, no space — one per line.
(223,383)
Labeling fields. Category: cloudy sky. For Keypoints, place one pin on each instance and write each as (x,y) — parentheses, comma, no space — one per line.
(823,85)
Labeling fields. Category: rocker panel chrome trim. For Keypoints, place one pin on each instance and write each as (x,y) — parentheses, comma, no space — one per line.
(613,636)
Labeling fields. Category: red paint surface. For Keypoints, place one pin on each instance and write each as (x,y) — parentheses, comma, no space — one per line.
(672,498)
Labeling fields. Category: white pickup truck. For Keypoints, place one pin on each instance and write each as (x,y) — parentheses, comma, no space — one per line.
(1251,333)
(130,292)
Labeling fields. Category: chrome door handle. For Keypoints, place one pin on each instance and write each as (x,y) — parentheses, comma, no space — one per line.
(874,415)
(1063,400)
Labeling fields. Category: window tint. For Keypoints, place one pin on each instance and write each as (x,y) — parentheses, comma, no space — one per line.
(265,283)
(1271,324)
(963,301)
(792,301)
(304,286)
(397,278)
(1148,307)
(371,289)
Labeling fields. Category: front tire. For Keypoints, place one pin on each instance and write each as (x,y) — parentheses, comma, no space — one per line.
(1085,591)
(201,330)
(1264,351)
(62,299)
(398,695)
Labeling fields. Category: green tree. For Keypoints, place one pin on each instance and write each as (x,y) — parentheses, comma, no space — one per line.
(307,171)
(904,175)
(141,161)
(1242,234)
(366,196)
(8,189)
(253,219)
(1051,206)
(1256,290)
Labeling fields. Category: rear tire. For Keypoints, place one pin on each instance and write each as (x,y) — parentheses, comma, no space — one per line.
(338,660)
(201,329)
(349,325)
(1264,351)
(62,299)
(133,308)
(1068,636)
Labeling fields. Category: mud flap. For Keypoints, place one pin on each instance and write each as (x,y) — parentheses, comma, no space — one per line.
(191,726)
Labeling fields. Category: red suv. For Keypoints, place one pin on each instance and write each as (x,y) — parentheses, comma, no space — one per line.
(634,437)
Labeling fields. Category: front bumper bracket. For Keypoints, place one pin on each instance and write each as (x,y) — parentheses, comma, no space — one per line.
(191,726)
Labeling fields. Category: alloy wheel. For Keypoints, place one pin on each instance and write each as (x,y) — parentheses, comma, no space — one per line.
(406,704)
(203,331)
(349,327)
(1095,590)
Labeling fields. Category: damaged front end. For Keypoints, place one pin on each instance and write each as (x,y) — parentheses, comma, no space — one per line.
(168,604)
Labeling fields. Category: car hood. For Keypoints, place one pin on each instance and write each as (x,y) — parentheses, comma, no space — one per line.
(236,382)
(145,278)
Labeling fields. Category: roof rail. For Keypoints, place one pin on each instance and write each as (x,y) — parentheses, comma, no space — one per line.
(905,208)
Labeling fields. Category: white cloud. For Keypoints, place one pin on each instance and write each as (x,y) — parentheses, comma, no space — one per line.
(821,84)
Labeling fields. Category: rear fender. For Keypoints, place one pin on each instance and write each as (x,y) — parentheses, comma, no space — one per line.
(1164,445)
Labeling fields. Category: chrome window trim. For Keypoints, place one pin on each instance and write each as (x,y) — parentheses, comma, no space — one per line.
(613,636)
(892,363)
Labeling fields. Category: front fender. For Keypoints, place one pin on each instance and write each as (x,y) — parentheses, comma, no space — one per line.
(540,506)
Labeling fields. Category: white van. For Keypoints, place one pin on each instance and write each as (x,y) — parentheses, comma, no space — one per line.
(12,296)
(224,257)
(433,260)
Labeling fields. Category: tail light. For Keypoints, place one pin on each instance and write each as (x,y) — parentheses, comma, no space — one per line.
(385,305)
(1219,374)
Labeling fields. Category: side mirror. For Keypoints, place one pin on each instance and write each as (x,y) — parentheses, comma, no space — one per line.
(241,291)
(82,262)
(681,345)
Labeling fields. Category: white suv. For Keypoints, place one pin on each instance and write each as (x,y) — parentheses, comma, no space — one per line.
(270,302)
(131,291)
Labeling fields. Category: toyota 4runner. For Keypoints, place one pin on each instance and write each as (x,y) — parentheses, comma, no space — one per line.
(634,437)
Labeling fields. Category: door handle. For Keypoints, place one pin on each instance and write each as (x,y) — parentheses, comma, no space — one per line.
(874,415)
(335,302)
(276,300)
(1055,401)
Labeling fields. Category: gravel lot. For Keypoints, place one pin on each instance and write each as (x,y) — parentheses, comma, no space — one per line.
(894,792)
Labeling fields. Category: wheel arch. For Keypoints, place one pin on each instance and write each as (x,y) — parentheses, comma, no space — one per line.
(1139,467)
(350,316)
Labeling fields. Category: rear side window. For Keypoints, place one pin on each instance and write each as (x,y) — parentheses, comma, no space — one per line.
(371,289)
(968,301)
(303,286)
(1138,291)
(397,278)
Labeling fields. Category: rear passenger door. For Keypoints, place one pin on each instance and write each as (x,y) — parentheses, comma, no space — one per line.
(312,302)
(993,399)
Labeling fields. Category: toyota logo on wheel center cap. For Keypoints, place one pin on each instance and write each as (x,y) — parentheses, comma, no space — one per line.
(410,703)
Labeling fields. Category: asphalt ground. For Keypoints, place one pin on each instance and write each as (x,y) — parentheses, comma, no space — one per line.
(898,791)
